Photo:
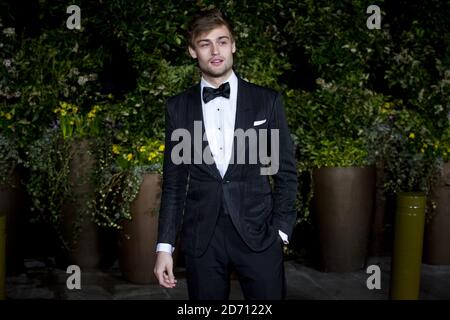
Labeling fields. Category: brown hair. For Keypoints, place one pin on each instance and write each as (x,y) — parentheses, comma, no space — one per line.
(205,22)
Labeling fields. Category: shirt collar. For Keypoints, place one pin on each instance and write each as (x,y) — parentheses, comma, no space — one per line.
(232,79)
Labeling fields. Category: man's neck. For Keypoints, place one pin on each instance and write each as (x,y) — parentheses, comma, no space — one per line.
(217,81)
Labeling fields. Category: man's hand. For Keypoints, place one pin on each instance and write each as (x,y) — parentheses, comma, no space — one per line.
(164,270)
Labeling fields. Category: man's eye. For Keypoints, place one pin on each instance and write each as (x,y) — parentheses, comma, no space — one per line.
(204,45)
(222,43)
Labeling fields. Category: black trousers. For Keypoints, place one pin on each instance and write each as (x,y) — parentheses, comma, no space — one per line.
(261,274)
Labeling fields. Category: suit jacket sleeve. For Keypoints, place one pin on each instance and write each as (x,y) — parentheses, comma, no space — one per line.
(285,180)
(174,186)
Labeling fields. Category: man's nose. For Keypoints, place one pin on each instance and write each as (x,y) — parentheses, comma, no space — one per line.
(214,49)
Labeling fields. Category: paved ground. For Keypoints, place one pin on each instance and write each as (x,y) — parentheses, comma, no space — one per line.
(40,281)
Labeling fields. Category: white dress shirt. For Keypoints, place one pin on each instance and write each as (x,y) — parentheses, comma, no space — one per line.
(219,119)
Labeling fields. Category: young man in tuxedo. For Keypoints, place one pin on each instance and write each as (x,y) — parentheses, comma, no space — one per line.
(231,217)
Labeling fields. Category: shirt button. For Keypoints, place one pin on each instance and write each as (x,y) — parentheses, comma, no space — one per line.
(219,128)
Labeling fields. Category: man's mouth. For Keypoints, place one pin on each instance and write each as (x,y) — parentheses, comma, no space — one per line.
(216,61)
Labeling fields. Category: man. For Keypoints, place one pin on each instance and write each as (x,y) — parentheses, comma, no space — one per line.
(231,218)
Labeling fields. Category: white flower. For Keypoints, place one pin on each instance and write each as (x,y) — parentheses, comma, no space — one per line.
(7,63)
(82,80)
(75,48)
(9,31)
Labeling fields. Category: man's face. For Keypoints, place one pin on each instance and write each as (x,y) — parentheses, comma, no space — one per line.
(214,51)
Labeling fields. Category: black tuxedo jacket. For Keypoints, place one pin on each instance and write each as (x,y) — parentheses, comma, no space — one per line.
(192,194)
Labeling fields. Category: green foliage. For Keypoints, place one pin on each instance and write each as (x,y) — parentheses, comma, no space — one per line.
(9,158)
(144,153)
(443,147)
(76,125)
(335,37)
(48,161)
(424,88)
(44,70)
(342,120)
(409,150)
(335,153)
(333,126)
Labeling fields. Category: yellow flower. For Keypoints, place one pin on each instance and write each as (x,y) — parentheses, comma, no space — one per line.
(63,112)
(412,135)
(161,148)
(91,114)
(8,116)
(115,149)
(436,145)
(142,149)
(56,110)
(385,107)
(422,150)
(129,156)
(152,156)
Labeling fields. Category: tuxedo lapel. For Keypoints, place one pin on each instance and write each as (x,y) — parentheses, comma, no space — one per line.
(243,120)
(195,104)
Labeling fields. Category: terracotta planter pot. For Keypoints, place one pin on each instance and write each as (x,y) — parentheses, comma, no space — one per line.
(437,231)
(344,202)
(12,202)
(378,232)
(2,255)
(138,238)
(84,249)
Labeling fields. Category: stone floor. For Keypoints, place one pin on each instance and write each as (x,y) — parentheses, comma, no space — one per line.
(41,281)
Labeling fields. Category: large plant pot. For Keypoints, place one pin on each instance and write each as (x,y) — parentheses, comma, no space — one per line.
(138,238)
(12,203)
(7,210)
(408,244)
(2,255)
(437,231)
(79,232)
(344,202)
(382,233)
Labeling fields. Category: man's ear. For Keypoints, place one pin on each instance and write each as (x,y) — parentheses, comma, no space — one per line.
(233,47)
(192,52)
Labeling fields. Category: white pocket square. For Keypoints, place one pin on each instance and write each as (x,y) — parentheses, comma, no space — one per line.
(257,123)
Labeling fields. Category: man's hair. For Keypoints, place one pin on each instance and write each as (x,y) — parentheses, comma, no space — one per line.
(206,21)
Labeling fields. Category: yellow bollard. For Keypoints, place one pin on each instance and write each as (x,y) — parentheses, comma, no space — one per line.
(2,256)
(408,245)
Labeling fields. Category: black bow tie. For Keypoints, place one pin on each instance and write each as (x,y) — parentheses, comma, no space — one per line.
(211,93)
